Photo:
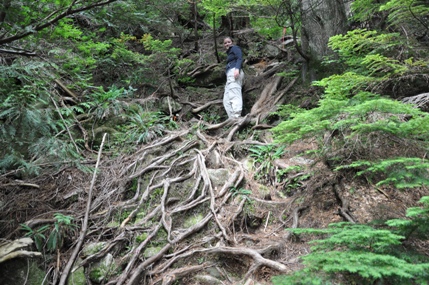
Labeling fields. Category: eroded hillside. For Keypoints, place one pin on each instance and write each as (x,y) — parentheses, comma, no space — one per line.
(206,203)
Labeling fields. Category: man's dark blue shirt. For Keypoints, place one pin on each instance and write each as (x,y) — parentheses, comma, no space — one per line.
(234,59)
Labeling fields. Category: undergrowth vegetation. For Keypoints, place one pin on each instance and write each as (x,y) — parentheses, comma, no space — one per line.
(366,254)
(356,126)
(360,128)
(128,68)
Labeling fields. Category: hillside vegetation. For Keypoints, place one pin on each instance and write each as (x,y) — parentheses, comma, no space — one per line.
(118,164)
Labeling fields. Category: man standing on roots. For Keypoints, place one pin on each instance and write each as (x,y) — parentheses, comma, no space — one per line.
(232,99)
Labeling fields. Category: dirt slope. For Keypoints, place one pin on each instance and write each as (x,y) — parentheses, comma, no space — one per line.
(192,207)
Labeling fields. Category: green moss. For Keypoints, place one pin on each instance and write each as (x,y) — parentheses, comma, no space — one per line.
(102,270)
(141,238)
(93,248)
(151,251)
(77,277)
(192,221)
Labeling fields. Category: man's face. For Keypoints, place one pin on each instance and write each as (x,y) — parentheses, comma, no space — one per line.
(227,43)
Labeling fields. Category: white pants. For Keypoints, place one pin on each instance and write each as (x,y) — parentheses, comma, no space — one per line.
(232,99)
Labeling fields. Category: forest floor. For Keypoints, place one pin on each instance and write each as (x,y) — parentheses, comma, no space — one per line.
(193,206)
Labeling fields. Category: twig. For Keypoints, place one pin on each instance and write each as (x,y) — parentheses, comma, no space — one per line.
(21,184)
(76,250)
(266,222)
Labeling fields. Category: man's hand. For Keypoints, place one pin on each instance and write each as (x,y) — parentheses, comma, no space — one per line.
(236,73)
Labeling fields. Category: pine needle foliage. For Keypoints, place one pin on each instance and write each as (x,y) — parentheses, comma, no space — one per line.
(29,120)
(417,223)
(413,12)
(355,125)
(363,254)
(401,172)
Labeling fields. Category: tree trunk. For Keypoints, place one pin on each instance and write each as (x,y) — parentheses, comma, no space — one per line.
(321,19)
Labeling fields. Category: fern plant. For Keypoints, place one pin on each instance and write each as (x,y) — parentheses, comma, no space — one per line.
(144,126)
(264,157)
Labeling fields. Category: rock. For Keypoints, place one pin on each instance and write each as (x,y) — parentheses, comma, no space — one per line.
(103,269)
(151,251)
(10,249)
(77,277)
(218,176)
(301,160)
(93,248)
(192,221)
(19,271)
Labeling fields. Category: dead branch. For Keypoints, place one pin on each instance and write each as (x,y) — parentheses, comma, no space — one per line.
(21,184)
(205,106)
(13,249)
(84,228)
(66,90)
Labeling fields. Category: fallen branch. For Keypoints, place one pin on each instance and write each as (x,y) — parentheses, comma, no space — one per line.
(80,241)
(10,249)
(205,106)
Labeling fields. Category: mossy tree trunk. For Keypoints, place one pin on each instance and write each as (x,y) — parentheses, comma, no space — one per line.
(321,19)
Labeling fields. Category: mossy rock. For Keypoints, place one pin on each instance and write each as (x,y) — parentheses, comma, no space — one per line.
(93,248)
(77,277)
(151,251)
(103,269)
(21,271)
(192,221)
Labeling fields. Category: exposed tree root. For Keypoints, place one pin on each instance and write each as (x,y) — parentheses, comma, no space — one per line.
(176,201)
(343,211)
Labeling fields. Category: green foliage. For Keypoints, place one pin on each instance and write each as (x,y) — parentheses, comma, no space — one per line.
(350,121)
(365,10)
(143,126)
(364,51)
(37,235)
(31,131)
(267,26)
(295,181)
(63,227)
(103,104)
(418,222)
(243,193)
(354,253)
(401,172)
(264,156)
(407,11)
(216,8)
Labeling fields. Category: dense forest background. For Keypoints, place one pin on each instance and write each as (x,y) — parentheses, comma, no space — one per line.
(118,164)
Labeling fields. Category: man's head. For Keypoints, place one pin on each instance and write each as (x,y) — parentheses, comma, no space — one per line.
(227,42)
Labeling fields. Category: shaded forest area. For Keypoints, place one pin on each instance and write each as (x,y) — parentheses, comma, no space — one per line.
(119,165)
